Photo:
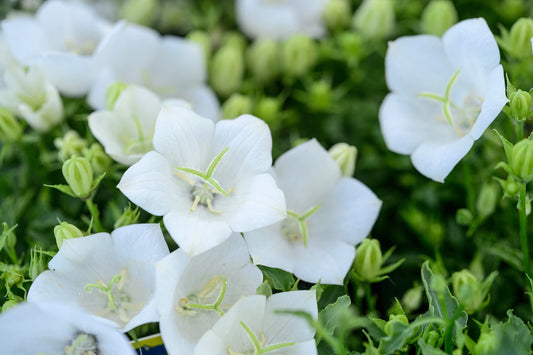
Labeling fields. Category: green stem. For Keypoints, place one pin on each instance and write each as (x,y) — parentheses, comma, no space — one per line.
(93,209)
(369,300)
(519,131)
(523,228)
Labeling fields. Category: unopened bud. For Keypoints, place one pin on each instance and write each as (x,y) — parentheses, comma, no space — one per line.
(37,264)
(113,93)
(262,58)
(99,160)
(268,109)
(79,175)
(10,128)
(487,199)
(467,288)
(464,217)
(345,156)
(520,103)
(395,318)
(337,14)
(142,12)
(129,216)
(298,55)
(70,145)
(202,38)
(227,70)
(486,344)
(236,105)
(412,299)
(368,260)
(438,16)
(522,159)
(518,41)
(64,231)
(375,18)
(320,96)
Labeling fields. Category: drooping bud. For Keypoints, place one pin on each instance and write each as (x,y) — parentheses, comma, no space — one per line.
(79,176)
(487,199)
(262,58)
(517,42)
(10,128)
(438,16)
(298,55)
(236,105)
(142,12)
(113,93)
(70,145)
(522,159)
(337,14)
(227,69)
(520,104)
(368,259)
(345,156)
(64,231)
(375,18)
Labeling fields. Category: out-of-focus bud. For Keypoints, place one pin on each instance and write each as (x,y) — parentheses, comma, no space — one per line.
(522,159)
(464,217)
(129,216)
(227,70)
(10,128)
(510,187)
(368,260)
(13,274)
(487,199)
(268,109)
(79,175)
(517,42)
(486,344)
(412,298)
(70,145)
(394,318)
(298,55)
(202,38)
(470,291)
(234,39)
(432,338)
(64,231)
(337,14)
(345,156)
(320,96)
(520,104)
(113,93)
(262,58)
(9,304)
(37,264)
(352,46)
(142,12)
(438,16)
(375,18)
(236,105)
(99,160)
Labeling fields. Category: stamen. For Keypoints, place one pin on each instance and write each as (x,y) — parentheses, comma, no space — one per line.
(211,209)
(258,345)
(446,100)
(185,304)
(100,285)
(195,203)
(288,225)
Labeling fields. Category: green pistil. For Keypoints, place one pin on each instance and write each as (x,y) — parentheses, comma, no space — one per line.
(446,101)
(106,289)
(83,344)
(301,219)
(258,345)
(186,303)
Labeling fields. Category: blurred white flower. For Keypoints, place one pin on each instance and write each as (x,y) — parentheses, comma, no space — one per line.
(61,39)
(170,66)
(278,19)
(206,180)
(445,93)
(193,293)
(327,215)
(110,276)
(255,326)
(28,94)
(55,328)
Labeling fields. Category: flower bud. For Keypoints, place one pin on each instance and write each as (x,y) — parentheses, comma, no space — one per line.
(70,145)
(487,199)
(142,12)
(464,217)
(99,160)
(412,299)
(344,155)
(375,18)
(522,159)
(202,38)
(518,41)
(262,58)
(368,260)
(337,14)
(37,264)
(320,96)
(438,16)
(234,39)
(64,231)
(8,304)
(486,344)
(520,104)
(227,69)
(79,175)
(10,128)
(510,187)
(298,55)
(468,290)
(113,93)
(236,105)
(12,274)
(432,338)
(394,318)
(268,109)
(129,216)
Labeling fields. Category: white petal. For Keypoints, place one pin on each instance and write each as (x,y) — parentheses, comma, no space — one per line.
(254,203)
(141,242)
(306,174)
(211,344)
(103,78)
(168,272)
(203,101)
(437,159)
(151,184)
(417,64)
(249,146)
(471,47)
(306,348)
(183,137)
(196,231)
(25,38)
(259,20)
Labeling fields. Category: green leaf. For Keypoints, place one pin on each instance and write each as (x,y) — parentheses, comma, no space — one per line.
(63,188)
(331,316)
(511,89)
(427,349)
(5,234)
(319,288)
(400,334)
(513,337)
(280,279)
(264,289)
(507,146)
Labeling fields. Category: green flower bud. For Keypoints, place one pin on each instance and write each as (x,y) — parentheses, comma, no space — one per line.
(337,14)
(520,104)
(227,70)
(268,109)
(393,318)
(375,18)
(10,128)
(236,105)
(518,41)
(468,290)
(344,155)
(70,145)
(487,199)
(486,344)
(129,216)
(13,275)
(298,55)
(352,46)
(202,38)
(432,338)
(368,260)
(234,39)
(464,217)
(509,9)
(510,187)
(262,58)
(9,304)
(64,231)
(438,16)
(113,93)
(37,264)
(522,159)
(320,96)
(264,289)
(412,299)
(99,160)
(142,12)
(79,175)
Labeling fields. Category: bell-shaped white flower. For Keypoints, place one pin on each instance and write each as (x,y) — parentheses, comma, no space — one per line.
(110,276)
(28,94)
(192,293)
(256,325)
(170,66)
(61,39)
(327,214)
(278,19)
(445,93)
(205,179)
(55,328)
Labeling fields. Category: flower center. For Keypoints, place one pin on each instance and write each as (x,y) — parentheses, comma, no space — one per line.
(259,345)
(86,47)
(82,344)
(294,228)
(142,144)
(203,299)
